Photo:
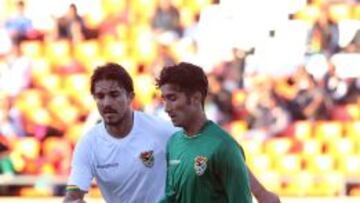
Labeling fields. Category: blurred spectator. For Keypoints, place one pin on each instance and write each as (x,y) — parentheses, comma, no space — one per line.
(20,26)
(354,45)
(10,122)
(72,26)
(6,166)
(324,36)
(268,119)
(310,102)
(15,72)
(166,21)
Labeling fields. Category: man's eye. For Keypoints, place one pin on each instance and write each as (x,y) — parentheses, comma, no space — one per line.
(172,98)
(115,94)
(99,96)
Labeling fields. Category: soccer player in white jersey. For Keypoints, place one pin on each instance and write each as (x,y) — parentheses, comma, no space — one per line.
(125,153)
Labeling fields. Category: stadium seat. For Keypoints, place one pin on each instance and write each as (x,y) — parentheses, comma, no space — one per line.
(329,184)
(32,49)
(318,164)
(326,130)
(51,83)
(270,179)
(311,147)
(278,146)
(352,130)
(349,165)
(309,14)
(144,88)
(288,164)
(57,152)
(114,51)
(340,11)
(252,146)
(237,129)
(58,52)
(340,147)
(74,132)
(87,52)
(353,110)
(303,129)
(299,184)
(238,97)
(356,11)
(258,163)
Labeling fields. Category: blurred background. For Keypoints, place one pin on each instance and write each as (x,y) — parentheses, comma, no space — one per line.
(284,81)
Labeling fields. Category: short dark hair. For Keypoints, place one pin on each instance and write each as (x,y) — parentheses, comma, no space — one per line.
(188,77)
(112,71)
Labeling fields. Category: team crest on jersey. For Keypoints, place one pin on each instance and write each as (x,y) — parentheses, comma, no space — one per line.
(147,157)
(200,165)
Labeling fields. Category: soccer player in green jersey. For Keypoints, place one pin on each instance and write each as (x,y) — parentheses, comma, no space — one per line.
(205,164)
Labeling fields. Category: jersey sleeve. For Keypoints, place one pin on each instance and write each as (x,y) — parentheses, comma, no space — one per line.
(81,173)
(233,173)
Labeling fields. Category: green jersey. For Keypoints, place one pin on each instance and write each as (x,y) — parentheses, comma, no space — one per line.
(208,167)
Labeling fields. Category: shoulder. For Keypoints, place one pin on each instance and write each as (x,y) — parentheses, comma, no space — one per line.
(225,140)
(90,135)
(153,122)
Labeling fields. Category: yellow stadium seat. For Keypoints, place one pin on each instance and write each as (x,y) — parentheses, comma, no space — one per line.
(74,132)
(349,165)
(252,146)
(311,147)
(309,14)
(326,130)
(340,147)
(29,99)
(259,163)
(303,129)
(115,51)
(58,52)
(270,179)
(288,164)
(352,130)
(328,184)
(237,129)
(40,69)
(340,11)
(356,12)
(29,147)
(32,49)
(86,50)
(278,146)
(76,83)
(51,83)
(238,97)
(353,110)
(320,163)
(299,184)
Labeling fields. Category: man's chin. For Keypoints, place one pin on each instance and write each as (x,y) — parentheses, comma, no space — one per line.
(111,123)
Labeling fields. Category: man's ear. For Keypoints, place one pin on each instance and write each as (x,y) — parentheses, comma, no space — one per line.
(131,95)
(197,97)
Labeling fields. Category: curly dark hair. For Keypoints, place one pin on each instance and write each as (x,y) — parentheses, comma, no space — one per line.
(112,71)
(188,77)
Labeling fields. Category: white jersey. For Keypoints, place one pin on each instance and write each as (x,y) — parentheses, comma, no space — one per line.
(131,169)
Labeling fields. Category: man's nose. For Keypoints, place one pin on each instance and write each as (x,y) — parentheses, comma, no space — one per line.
(167,107)
(107,101)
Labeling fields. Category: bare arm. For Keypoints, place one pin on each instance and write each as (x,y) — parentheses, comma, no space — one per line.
(261,194)
(74,195)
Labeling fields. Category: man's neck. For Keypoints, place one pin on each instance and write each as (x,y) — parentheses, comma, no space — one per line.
(196,125)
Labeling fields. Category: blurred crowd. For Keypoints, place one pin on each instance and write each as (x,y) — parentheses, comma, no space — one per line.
(46,62)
